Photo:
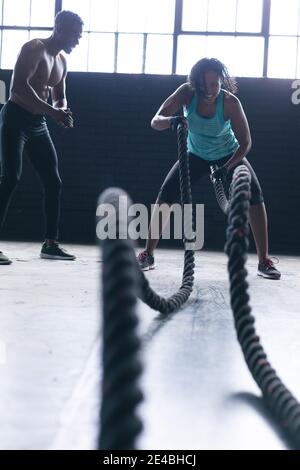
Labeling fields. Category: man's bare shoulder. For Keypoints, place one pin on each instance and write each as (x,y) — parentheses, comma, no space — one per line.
(34,47)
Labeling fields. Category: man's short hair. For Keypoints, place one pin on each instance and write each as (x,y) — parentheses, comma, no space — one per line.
(65,18)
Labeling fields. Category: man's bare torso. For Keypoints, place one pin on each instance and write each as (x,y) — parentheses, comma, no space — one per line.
(49,72)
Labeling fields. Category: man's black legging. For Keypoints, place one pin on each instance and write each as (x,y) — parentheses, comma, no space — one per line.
(22,131)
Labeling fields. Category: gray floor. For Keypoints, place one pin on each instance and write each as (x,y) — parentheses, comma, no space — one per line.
(198,391)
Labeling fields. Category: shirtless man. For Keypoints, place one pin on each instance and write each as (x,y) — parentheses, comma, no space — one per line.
(40,71)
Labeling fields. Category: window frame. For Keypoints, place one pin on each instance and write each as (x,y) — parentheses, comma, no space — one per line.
(178,31)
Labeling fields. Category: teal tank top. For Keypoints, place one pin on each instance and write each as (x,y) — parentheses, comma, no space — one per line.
(210,138)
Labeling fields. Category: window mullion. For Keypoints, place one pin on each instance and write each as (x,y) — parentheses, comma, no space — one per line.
(177,30)
(266,33)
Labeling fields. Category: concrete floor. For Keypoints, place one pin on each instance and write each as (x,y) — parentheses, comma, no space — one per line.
(198,391)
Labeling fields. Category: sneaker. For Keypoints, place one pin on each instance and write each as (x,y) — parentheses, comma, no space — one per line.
(267,269)
(4,259)
(54,251)
(146,261)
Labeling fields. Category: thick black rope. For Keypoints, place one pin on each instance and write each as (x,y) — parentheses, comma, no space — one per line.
(219,191)
(122,283)
(149,296)
(119,425)
(281,402)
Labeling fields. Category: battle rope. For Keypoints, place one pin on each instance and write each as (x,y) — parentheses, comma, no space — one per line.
(149,296)
(122,281)
(119,425)
(281,402)
(219,191)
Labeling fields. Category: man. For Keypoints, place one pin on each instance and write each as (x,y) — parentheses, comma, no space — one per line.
(40,70)
(218,133)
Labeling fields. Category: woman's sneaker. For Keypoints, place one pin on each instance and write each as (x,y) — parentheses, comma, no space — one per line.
(4,259)
(53,251)
(146,261)
(267,269)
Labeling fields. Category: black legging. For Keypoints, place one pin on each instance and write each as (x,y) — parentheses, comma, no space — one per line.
(19,131)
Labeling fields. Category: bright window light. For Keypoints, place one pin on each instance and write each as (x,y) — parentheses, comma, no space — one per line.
(1,8)
(235,52)
(190,50)
(282,57)
(249,16)
(194,15)
(42,13)
(132,16)
(248,64)
(298,60)
(159,63)
(284,17)
(130,62)
(77,60)
(39,34)
(160,16)
(221,15)
(16,12)
(12,41)
(222,48)
(101,52)
(104,15)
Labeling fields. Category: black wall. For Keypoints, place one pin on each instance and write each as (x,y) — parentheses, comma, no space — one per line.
(113,144)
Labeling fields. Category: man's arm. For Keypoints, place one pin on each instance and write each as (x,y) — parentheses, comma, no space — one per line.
(59,100)
(25,68)
(178,99)
(241,131)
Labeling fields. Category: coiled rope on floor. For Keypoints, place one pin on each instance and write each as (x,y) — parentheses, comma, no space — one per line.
(279,399)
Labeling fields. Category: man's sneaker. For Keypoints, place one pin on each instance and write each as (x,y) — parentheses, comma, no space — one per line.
(146,261)
(267,269)
(4,259)
(54,251)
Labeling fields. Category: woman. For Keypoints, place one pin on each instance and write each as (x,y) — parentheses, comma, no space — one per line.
(218,133)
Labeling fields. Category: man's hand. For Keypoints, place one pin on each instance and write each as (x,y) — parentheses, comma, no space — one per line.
(63,118)
(176,120)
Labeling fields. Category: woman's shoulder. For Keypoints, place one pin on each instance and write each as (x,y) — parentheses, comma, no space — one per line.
(187,93)
(230,98)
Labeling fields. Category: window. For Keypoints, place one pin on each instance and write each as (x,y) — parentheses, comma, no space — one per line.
(254,38)
(12,42)
(222,15)
(10,15)
(101,52)
(235,51)
(42,13)
(130,53)
(283,59)
(159,63)
(137,27)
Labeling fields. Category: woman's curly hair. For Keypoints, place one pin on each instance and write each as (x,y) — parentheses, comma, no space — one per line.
(197,75)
